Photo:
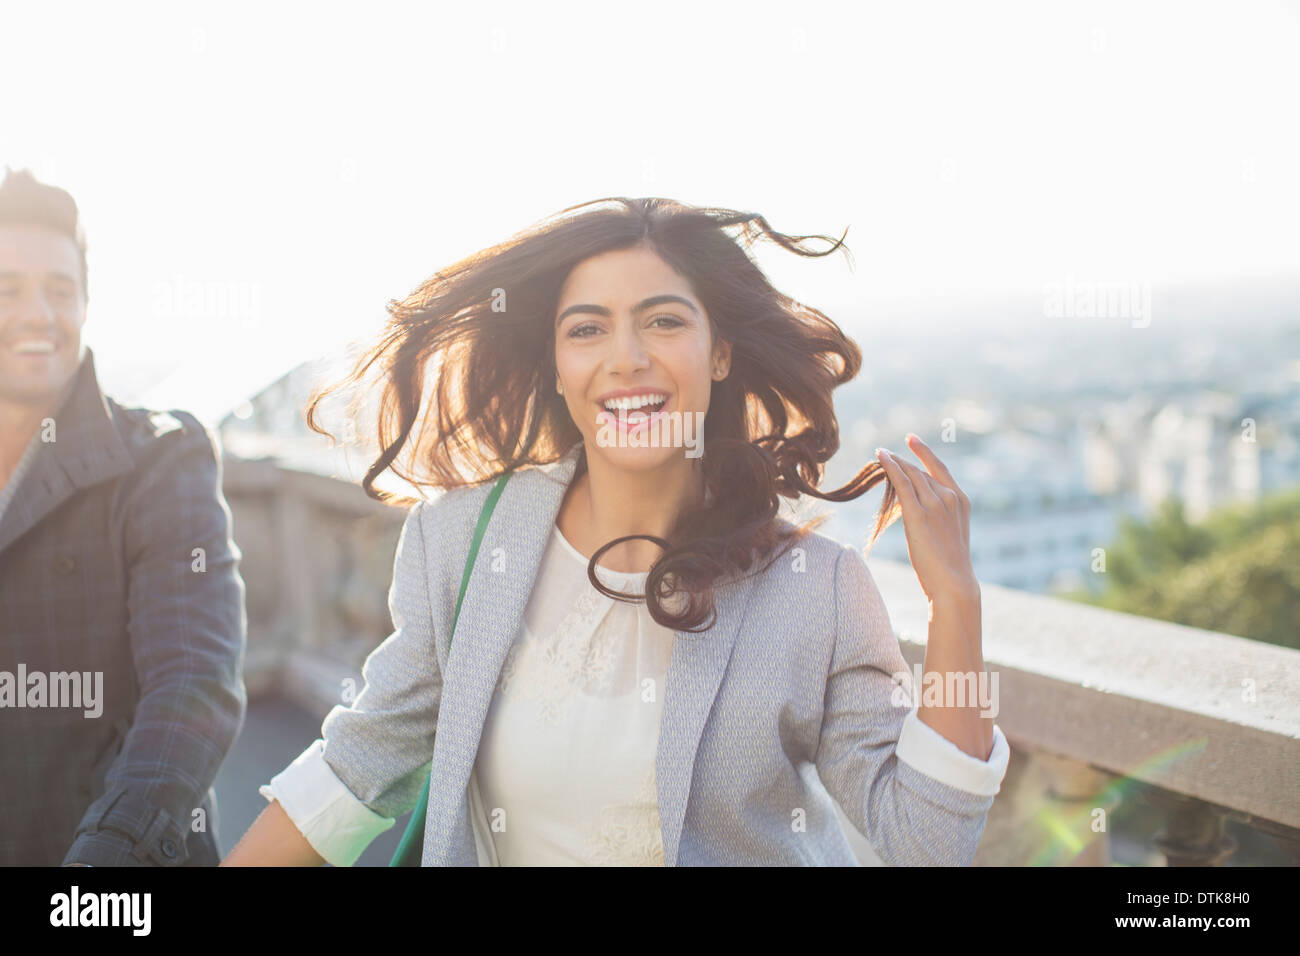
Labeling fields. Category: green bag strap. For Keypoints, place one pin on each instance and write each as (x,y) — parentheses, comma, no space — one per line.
(411,846)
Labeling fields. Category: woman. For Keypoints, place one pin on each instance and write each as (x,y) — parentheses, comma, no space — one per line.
(650,665)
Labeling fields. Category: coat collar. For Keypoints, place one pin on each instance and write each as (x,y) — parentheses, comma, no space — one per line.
(86,450)
(493,607)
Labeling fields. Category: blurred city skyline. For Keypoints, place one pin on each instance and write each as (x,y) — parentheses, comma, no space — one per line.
(1038,419)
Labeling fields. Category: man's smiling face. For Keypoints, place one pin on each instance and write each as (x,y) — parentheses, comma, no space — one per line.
(42,311)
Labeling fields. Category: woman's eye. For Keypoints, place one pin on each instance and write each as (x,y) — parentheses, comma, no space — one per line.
(579,331)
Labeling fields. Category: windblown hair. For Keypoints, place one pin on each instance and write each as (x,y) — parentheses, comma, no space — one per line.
(770,426)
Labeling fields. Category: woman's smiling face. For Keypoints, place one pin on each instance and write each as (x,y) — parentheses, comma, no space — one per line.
(627,326)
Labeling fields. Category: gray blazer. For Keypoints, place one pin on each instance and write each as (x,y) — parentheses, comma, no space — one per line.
(784,704)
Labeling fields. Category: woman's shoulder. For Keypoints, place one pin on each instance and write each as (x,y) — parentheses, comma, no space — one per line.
(457,508)
(804,571)
(452,504)
(825,587)
(814,543)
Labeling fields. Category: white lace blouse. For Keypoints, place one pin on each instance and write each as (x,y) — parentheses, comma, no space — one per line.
(565,772)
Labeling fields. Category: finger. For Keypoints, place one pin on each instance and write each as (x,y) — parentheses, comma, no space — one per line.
(940,472)
(922,485)
(902,484)
(931,461)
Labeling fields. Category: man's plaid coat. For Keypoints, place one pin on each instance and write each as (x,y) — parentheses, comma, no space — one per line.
(116,557)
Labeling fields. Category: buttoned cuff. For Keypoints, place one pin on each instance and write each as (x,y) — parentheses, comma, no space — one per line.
(336,824)
(930,752)
(122,828)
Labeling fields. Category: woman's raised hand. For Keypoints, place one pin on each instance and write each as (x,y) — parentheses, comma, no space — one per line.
(936,520)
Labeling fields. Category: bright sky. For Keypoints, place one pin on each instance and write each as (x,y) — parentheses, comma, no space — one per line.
(258,180)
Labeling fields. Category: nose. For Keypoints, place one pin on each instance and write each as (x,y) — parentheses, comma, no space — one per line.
(627,351)
(36,313)
(36,322)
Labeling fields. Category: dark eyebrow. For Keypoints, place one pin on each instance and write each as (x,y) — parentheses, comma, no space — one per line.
(641,306)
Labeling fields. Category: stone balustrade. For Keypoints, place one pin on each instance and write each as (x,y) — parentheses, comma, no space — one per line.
(1100,708)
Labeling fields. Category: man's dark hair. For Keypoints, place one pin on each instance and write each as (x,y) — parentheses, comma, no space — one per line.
(24,200)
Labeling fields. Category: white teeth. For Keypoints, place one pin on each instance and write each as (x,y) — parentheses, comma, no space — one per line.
(634,401)
(34,347)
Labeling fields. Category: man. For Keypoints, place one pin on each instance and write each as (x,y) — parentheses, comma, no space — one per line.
(122,623)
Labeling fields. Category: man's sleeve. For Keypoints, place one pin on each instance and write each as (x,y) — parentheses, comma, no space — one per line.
(188,631)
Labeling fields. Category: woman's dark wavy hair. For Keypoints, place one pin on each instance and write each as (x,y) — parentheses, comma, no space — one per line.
(770,426)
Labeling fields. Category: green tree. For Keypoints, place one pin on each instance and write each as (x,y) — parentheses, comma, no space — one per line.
(1237,572)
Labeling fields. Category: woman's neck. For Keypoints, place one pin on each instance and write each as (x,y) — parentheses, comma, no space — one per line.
(605,503)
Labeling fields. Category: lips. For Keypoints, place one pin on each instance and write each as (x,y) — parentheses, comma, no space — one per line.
(645,407)
(34,347)
(630,420)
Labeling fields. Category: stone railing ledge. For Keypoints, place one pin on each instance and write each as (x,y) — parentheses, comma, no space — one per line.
(1210,716)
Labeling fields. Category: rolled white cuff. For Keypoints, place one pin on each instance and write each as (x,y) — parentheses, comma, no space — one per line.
(925,749)
(336,824)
